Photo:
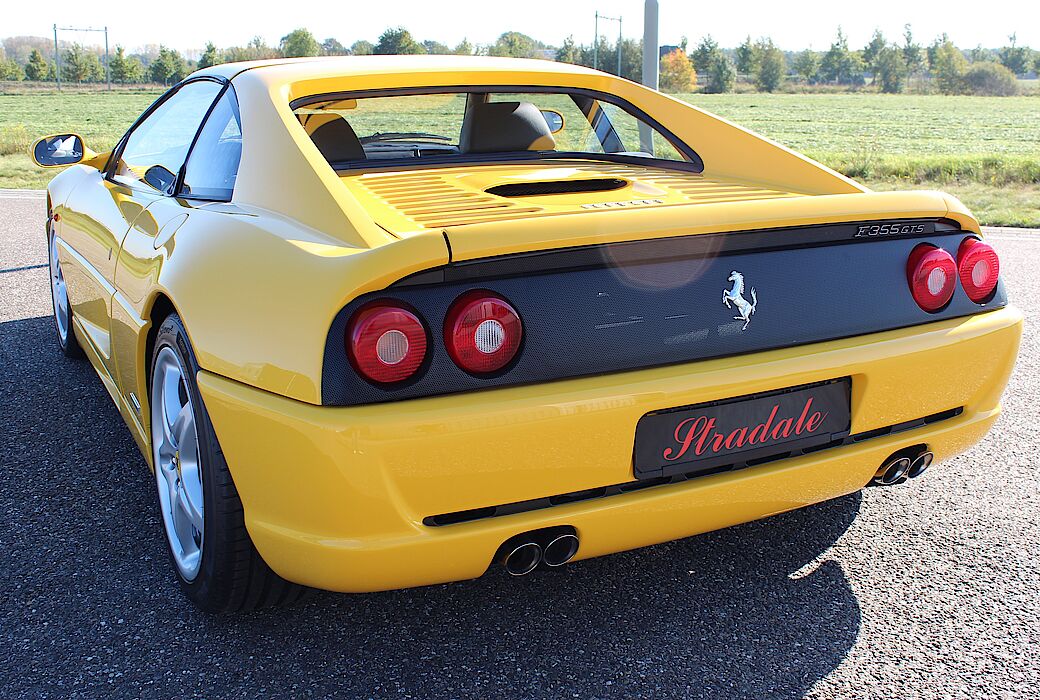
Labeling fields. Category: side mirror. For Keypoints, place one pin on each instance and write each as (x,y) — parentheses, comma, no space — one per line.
(554,119)
(60,150)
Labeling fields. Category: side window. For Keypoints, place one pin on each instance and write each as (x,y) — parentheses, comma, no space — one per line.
(155,150)
(213,164)
(637,137)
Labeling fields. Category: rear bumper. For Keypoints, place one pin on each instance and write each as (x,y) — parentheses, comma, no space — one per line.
(335,497)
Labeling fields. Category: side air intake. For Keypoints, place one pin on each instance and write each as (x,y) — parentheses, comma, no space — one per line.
(532,189)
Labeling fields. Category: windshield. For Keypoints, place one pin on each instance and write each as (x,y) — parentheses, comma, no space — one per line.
(367,131)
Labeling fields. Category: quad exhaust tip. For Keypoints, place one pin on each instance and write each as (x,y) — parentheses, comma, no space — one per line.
(523,559)
(906,464)
(893,471)
(919,465)
(560,550)
(545,548)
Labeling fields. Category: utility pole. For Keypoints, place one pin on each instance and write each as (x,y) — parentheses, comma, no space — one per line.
(108,75)
(57,59)
(595,45)
(651,66)
(651,49)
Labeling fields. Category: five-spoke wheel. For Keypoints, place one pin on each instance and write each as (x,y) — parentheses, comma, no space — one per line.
(175,450)
(60,300)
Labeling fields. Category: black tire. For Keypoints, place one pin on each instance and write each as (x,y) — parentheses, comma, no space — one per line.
(231,576)
(68,345)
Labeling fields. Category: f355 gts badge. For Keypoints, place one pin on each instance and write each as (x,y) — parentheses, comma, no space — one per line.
(734,298)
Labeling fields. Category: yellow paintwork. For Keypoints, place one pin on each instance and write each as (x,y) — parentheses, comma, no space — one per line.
(333,496)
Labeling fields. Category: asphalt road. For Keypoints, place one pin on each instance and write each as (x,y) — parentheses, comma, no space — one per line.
(931,589)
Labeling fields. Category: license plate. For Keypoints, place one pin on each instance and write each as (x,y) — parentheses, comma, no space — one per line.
(733,432)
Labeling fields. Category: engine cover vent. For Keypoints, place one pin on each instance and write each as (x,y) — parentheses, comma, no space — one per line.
(531,189)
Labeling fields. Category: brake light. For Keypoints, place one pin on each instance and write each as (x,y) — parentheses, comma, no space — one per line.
(932,275)
(978,268)
(482,332)
(386,342)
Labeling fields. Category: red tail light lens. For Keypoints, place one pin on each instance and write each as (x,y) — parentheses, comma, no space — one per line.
(482,332)
(932,274)
(386,342)
(979,269)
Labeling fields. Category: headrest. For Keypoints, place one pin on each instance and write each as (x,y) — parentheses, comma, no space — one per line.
(337,141)
(494,127)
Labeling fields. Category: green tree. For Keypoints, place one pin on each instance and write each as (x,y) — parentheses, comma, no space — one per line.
(256,49)
(1014,58)
(677,72)
(948,66)
(81,66)
(704,55)
(36,68)
(747,60)
(980,54)
(10,69)
(873,50)
(631,59)
(568,51)
(839,65)
(125,70)
(397,40)
(463,48)
(913,57)
(721,74)
(515,45)
(361,48)
(771,66)
(992,79)
(331,47)
(891,71)
(168,67)
(436,48)
(299,42)
(807,65)
(210,57)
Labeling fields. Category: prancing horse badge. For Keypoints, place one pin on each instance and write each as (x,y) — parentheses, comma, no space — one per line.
(734,298)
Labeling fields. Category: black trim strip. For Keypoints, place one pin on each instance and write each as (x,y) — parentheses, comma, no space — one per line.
(466,516)
(662,249)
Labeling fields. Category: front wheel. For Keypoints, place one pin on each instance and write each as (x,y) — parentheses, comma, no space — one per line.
(216,563)
(60,302)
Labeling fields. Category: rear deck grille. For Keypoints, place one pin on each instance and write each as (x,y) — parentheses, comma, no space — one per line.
(465,516)
(432,201)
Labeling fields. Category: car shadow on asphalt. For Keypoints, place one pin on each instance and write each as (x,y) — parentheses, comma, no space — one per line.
(753,611)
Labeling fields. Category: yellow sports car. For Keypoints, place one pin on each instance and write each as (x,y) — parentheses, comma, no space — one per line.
(379,322)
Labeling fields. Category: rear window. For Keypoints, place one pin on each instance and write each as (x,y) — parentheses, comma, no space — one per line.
(447,127)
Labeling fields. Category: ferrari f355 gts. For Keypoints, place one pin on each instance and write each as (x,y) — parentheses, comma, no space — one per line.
(379,322)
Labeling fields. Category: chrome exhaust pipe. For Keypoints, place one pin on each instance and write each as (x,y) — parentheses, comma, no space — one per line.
(523,558)
(920,464)
(560,550)
(892,472)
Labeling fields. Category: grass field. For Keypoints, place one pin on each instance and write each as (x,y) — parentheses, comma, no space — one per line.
(984,150)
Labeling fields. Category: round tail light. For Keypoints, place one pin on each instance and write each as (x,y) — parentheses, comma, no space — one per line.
(979,269)
(386,342)
(482,332)
(932,274)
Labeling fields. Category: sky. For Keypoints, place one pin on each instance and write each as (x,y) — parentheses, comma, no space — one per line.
(792,24)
